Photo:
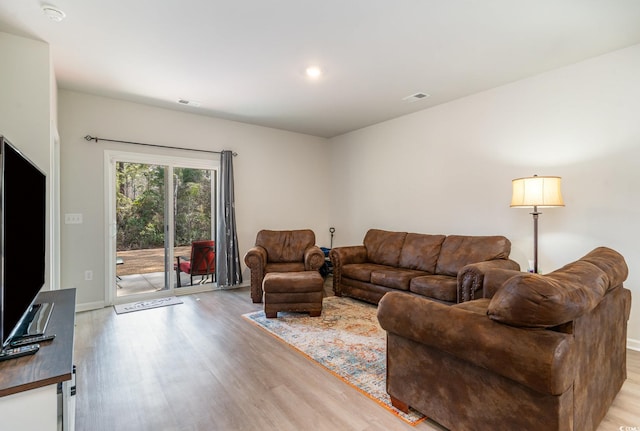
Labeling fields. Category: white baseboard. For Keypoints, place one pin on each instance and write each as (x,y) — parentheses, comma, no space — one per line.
(633,344)
(236,286)
(87,306)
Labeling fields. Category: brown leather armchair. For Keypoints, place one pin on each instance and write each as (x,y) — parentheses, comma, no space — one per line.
(281,251)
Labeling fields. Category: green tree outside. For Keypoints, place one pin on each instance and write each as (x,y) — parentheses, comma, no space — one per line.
(141,202)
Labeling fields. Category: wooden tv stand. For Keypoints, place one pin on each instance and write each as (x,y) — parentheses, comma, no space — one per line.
(29,385)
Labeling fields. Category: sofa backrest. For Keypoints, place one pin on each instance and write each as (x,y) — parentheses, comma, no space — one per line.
(436,254)
(611,262)
(285,245)
(421,251)
(458,251)
(383,247)
(542,301)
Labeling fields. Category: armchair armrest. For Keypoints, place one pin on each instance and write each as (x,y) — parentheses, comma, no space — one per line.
(256,257)
(313,258)
(342,256)
(176,265)
(471,278)
(541,359)
(256,260)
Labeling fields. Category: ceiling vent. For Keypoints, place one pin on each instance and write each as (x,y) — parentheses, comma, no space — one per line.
(415,97)
(189,103)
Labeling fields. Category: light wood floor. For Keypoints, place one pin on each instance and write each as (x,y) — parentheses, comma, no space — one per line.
(200,366)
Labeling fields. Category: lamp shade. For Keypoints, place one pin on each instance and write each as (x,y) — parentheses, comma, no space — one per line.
(537,192)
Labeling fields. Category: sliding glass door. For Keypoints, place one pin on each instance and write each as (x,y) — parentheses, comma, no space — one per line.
(193,226)
(142,247)
(159,209)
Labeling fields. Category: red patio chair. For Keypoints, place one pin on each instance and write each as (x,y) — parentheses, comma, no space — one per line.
(202,262)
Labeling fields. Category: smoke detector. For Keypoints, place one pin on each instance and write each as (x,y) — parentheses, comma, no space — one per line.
(53,13)
(415,97)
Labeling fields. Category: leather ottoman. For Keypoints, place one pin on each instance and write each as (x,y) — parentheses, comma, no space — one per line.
(293,291)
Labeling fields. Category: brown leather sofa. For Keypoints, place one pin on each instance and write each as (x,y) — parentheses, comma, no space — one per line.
(545,352)
(448,269)
(281,251)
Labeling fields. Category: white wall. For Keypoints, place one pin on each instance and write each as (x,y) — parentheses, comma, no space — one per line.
(449,169)
(280,177)
(25,102)
(27,112)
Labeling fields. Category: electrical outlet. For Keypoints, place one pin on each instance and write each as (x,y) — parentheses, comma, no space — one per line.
(73,219)
(88,275)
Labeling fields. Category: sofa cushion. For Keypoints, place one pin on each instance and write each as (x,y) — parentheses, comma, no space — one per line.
(361,271)
(383,247)
(458,251)
(396,278)
(420,251)
(541,301)
(441,287)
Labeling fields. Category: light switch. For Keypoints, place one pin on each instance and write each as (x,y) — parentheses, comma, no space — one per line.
(73,219)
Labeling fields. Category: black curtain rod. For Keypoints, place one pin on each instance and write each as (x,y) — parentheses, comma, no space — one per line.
(95,138)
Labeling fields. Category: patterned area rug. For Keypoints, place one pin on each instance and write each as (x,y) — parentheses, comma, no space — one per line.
(347,340)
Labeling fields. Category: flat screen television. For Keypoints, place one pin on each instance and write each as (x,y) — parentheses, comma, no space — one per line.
(22,243)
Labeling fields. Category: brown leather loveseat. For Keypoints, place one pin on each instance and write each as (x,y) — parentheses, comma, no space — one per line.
(545,352)
(281,251)
(444,268)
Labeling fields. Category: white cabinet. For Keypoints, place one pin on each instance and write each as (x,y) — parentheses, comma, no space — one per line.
(33,410)
(29,396)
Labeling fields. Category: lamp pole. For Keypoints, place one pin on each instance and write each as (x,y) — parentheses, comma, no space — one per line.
(535,215)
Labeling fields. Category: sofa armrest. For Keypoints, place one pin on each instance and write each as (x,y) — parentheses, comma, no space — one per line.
(471,278)
(313,258)
(342,256)
(540,359)
(345,255)
(494,278)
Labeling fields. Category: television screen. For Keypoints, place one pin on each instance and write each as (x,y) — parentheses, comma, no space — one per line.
(22,235)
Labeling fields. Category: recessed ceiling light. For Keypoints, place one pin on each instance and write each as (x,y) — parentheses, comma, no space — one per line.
(313,72)
(53,13)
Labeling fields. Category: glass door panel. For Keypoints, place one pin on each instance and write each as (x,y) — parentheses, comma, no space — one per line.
(193,226)
(142,253)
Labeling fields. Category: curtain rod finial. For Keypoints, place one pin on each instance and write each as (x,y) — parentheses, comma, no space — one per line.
(90,138)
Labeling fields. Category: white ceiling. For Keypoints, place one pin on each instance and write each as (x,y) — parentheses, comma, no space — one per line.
(245,59)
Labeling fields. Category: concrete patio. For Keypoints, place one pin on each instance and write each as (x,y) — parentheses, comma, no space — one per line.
(142,271)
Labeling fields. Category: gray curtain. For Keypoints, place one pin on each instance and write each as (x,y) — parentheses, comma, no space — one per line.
(229,271)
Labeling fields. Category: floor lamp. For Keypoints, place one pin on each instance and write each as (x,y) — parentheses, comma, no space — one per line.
(536,192)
